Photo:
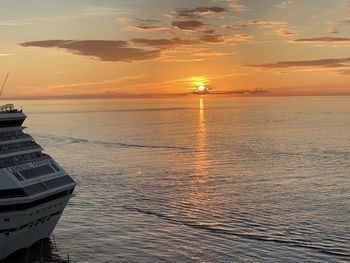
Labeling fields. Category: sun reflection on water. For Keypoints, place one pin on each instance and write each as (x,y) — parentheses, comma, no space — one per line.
(200,196)
(201,157)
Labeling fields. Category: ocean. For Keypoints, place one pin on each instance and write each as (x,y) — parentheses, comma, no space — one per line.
(201,179)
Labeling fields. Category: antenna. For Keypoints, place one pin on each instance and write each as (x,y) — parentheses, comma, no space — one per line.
(3,85)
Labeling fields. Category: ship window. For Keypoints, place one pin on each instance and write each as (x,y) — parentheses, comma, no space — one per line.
(55,214)
(37,171)
(7,231)
(58,182)
(24,226)
(55,167)
(34,189)
(17,175)
(8,193)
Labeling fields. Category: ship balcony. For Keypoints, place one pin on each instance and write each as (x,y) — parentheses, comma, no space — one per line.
(15,137)
(20,151)
(8,131)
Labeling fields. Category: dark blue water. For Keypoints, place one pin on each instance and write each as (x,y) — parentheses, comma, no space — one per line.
(202,180)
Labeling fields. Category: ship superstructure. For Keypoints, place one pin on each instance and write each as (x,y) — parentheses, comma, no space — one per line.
(34,189)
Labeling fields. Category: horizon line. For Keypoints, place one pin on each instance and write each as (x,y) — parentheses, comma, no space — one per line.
(168,96)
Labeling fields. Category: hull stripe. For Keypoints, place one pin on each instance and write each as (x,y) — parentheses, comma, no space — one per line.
(24,206)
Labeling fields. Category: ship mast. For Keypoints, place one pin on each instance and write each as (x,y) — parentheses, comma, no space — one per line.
(3,84)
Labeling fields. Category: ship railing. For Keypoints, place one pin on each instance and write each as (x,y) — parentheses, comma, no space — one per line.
(43,156)
(8,108)
(14,137)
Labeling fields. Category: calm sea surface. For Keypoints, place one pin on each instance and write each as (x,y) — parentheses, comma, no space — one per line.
(201,180)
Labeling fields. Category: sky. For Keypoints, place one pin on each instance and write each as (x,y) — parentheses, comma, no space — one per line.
(165,48)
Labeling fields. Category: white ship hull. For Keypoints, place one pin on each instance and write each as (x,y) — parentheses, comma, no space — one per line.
(31,226)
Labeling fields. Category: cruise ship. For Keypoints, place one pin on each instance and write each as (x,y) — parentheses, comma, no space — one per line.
(34,189)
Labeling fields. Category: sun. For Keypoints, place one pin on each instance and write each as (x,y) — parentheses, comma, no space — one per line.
(199,85)
(201,88)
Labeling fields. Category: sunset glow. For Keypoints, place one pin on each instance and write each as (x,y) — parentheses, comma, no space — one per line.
(104,49)
(174,131)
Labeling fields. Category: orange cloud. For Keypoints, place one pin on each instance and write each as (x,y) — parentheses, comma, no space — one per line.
(236,6)
(189,25)
(104,50)
(138,24)
(327,63)
(197,12)
(163,42)
(285,32)
(324,40)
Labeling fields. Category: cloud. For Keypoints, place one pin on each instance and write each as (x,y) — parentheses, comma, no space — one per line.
(332,30)
(197,12)
(210,38)
(184,50)
(163,42)
(138,24)
(103,11)
(285,32)
(285,4)
(189,25)
(148,28)
(104,50)
(239,38)
(210,31)
(345,22)
(234,27)
(96,83)
(16,23)
(264,22)
(6,54)
(258,23)
(88,11)
(323,40)
(244,91)
(343,72)
(192,54)
(236,6)
(233,92)
(321,63)
(210,53)
(139,49)
(279,27)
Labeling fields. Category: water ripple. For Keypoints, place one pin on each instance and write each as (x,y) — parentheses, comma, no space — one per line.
(333,252)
